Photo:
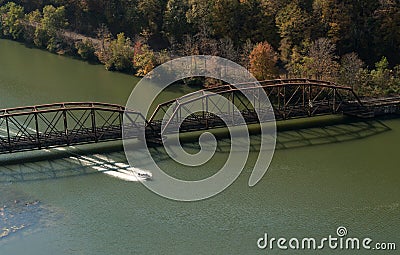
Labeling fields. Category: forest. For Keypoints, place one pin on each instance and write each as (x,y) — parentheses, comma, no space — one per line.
(352,42)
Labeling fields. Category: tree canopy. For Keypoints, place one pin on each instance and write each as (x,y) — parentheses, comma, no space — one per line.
(340,40)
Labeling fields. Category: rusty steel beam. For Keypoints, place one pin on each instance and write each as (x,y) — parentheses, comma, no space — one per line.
(64,124)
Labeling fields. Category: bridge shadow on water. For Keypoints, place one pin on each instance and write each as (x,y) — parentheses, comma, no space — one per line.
(70,162)
(301,134)
(330,134)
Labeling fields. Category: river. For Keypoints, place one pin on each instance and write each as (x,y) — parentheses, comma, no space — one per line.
(323,175)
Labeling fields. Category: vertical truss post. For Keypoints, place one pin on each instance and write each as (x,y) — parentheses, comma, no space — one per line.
(254,99)
(284,102)
(8,135)
(175,108)
(309,100)
(203,109)
(94,129)
(65,125)
(229,96)
(37,131)
(279,98)
(259,100)
(120,118)
(233,107)
(179,114)
(207,111)
(334,100)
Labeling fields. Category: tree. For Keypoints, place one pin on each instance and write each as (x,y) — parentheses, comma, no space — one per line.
(199,15)
(363,30)
(388,29)
(293,26)
(189,46)
(295,66)
(86,49)
(205,43)
(116,54)
(32,20)
(321,59)
(152,12)
(381,76)
(246,50)
(11,20)
(175,23)
(77,12)
(263,61)
(47,33)
(227,49)
(227,18)
(351,68)
(333,19)
(144,58)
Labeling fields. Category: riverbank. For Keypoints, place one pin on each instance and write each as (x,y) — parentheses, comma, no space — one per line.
(46,28)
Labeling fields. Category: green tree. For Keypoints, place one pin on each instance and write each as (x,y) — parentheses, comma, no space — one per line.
(11,20)
(199,15)
(175,24)
(258,21)
(295,66)
(77,12)
(226,16)
(86,49)
(32,20)
(116,54)
(292,22)
(333,20)
(48,32)
(152,12)
(381,77)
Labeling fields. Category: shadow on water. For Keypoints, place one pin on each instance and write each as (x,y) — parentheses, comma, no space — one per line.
(60,163)
(77,162)
(296,135)
(330,134)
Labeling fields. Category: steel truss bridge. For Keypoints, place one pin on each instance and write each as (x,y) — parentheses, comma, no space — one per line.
(73,123)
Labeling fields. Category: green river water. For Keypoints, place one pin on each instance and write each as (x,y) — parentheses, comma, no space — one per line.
(323,175)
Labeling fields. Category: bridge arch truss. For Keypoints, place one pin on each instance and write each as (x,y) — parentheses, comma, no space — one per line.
(292,98)
(64,124)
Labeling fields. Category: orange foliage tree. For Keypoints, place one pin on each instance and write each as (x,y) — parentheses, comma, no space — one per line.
(263,61)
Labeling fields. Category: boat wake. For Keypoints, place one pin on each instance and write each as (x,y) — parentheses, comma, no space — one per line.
(110,167)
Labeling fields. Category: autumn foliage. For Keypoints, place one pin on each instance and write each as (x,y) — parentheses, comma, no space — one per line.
(263,61)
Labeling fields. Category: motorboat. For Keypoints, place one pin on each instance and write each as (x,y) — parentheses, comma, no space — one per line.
(143,175)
